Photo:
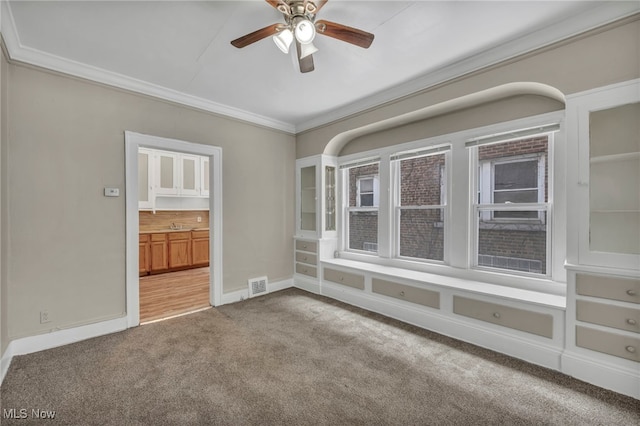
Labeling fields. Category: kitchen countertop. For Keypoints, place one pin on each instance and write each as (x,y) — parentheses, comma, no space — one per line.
(168,230)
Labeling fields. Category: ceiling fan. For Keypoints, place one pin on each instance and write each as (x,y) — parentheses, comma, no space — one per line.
(301,27)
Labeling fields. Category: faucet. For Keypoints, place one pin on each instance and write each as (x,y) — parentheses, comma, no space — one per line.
(174,226)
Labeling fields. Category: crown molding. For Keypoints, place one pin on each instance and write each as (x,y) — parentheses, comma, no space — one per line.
(588,20)
(20,53)
(577,24)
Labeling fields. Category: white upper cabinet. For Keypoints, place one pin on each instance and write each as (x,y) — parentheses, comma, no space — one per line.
(606,176)
(166,177)
(190,173)
(204,176)
(145,179)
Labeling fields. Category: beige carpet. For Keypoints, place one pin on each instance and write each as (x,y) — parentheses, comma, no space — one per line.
(297,359)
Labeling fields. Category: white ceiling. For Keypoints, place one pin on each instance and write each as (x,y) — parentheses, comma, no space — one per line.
(180,50)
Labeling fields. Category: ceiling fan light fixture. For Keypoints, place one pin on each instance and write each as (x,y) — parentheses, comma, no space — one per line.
(307,49)
(283,40)
(305,31)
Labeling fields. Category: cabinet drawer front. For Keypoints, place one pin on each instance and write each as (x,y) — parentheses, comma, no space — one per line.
(199,234)
(518,319)
(310,246)
(608,343)
(344,278)
(306,257)
(144,238)
(404,292)
(158,237)
(306,270)
(179,236)
(627,290)
(608,315)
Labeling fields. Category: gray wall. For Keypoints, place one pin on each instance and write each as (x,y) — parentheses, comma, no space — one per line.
(4,331)
(66,249)
(601,57)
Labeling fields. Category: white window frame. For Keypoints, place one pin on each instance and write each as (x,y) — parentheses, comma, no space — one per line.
(345,188)
(484,211)
(443,206)
(486,187)
(375,191)
(461,185)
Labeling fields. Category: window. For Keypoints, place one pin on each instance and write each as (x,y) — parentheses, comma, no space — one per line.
(362,209)
(457,202)
(511,208)
(421,203)
(368,190)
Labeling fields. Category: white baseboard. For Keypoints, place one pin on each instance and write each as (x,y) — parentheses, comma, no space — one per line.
(307,285)
(240,295)
(40,342)
(605,375)
(532,351)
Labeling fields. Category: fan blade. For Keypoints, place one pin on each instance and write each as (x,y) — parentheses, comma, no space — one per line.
(319,4)
(256,36)
(306,63)
(344,33)
(274,3)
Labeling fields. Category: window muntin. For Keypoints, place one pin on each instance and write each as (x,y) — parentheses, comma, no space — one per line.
(420,210)
(511,208)
(362,210)
(466,214)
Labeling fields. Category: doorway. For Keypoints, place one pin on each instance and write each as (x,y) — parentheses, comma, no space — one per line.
(133,143)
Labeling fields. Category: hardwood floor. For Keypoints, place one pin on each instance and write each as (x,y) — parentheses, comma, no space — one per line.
(173,293)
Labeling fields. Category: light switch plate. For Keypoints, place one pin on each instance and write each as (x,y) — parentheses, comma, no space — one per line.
(111,192)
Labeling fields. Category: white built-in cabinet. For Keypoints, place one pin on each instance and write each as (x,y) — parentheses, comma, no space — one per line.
(170,175)
(603,238)
(316,225)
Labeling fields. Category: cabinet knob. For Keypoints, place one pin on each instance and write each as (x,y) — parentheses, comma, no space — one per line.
(341,278)
(631,349)
(631,292)
(402,293)
(631,321)
(305,258)
(304,246)
(496,314)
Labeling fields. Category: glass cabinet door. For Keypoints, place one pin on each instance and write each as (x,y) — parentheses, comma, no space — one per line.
(330,198)
(308,198)
(614,179)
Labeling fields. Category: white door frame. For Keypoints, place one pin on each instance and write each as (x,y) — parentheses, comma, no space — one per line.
(133,141)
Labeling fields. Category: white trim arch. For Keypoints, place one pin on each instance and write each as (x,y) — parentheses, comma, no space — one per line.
(497,93)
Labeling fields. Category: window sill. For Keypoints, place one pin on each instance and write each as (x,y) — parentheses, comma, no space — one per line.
(468,285)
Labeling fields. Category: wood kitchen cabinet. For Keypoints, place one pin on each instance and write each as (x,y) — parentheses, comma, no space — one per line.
(144,254)
(171,251)
(159,252)
(179,249)
(199,248)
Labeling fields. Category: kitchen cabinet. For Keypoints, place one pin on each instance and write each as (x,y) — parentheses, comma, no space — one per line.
(144,254)
(204,176)
(179,249)
(190,173)
(159,252)
(199,248)
(171,180)
(145,179)
(166,173)
(173,250)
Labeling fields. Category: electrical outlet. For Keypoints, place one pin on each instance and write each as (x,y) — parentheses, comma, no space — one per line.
(44,317)
(199,219)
